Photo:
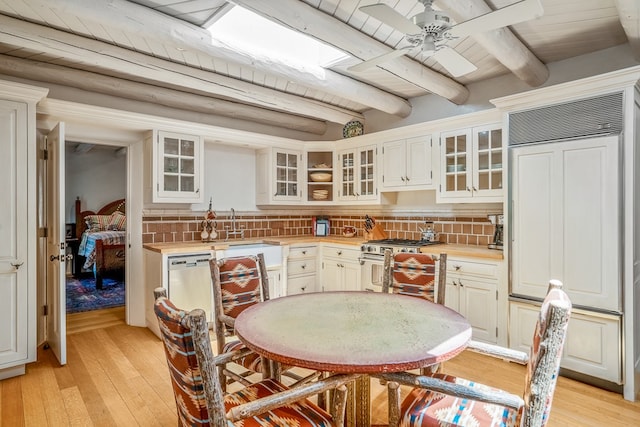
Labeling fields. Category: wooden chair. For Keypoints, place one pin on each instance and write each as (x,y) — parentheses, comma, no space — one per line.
(447,400)
(414,275)
(200,400)
(239,283)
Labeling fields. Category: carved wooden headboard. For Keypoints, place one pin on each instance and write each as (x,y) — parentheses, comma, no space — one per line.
(108,209)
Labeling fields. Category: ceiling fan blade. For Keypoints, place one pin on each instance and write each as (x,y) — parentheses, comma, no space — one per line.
(455,63)
(365,65)
(518,12)
(387,15)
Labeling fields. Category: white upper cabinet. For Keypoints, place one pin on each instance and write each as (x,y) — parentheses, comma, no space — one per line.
(406,164)
(320,176)
(278,177)
(471,167)
(357,174)
(177,168)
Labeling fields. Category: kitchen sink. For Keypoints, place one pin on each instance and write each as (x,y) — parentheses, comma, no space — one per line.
(272,253)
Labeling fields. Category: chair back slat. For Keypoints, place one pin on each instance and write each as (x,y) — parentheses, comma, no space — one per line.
(546,352)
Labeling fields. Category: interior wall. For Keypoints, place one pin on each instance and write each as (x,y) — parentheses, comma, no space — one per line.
(98,177)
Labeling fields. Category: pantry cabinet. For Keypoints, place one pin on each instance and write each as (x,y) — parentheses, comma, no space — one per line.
(340,268)
(177,167)
(472,290)
(278,176)
(357,174)
(407,164)
(471,166)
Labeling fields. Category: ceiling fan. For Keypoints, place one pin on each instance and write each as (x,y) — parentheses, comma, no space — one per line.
(431,30)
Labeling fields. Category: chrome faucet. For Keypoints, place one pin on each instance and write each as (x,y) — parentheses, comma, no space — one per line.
(234,231)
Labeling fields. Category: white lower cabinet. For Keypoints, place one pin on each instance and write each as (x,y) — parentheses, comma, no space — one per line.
(472,290)
(301,269)
(341,269)
(593,343)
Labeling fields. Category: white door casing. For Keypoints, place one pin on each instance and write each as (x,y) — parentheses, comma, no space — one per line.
(56,253)
(14,269)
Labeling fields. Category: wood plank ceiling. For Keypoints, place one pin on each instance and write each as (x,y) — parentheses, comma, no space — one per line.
(159,51)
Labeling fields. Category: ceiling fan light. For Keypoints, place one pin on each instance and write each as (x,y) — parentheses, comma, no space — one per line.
(428,47)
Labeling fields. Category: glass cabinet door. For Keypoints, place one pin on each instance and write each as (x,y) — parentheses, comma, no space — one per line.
(179,160)
(457,156)
(488,159)
(366,166)
(347,172)
(286,174)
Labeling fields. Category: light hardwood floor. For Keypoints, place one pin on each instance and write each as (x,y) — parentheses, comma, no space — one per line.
(117,376)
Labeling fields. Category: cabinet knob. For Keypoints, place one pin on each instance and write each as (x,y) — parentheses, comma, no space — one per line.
(407,178)
(402,178)
(468,189)
(339,252)
(457,267)
(304,252)
(474,188)
(303,266)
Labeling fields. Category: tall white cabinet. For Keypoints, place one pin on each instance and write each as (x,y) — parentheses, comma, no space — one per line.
(18,303)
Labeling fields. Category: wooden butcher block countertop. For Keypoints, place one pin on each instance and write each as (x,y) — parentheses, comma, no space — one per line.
(455,250)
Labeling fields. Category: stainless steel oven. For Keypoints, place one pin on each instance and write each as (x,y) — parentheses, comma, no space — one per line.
(372,259)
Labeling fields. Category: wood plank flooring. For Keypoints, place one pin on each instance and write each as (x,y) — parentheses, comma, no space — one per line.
(117,376)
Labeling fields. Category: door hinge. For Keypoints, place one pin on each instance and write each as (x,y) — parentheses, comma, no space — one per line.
(496,295)
(496,331)
(45,310)
(431,174)
(439,188)
(382,178)
(45,154)
(43,232)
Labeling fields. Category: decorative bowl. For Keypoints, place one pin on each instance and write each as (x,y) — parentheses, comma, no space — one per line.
(320,176)
(349,234)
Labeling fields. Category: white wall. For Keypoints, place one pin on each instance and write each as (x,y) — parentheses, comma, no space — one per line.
(97,177)
(230,178)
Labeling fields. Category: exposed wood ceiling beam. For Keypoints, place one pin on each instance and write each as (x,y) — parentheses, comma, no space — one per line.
(94,53)
(306,19)
(501,43)
(127,17)
(629,11)
(92,82)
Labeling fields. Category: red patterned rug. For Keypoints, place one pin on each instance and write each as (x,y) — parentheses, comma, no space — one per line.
(82,294)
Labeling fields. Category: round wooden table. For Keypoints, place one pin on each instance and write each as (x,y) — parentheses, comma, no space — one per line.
(354,332)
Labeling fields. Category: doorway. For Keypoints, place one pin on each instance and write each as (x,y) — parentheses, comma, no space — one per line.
(95,177)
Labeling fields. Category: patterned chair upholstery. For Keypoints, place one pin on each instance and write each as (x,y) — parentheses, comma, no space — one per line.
(200,400)
(238,283)
(415,275)
(446,400)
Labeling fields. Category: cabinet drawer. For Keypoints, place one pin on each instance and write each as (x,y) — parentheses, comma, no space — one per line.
(303,251)
(473,268)
(301,285)
(301,266)
(340,252)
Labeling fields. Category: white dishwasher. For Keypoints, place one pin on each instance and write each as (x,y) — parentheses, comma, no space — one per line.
(189,282)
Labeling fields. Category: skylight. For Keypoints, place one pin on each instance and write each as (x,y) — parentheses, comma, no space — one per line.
(252,33)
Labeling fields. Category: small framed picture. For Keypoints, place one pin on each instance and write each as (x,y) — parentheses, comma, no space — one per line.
(70,231)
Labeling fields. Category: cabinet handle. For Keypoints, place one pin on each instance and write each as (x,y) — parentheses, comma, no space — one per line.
(303,288)
(303,266)
(461,285)
(339,252)
(407,178)
(468,189)
(402,178)
(474,188)
(17,265)
(304,252)
(457,267)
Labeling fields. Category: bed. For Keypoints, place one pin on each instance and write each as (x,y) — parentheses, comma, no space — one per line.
(102,239)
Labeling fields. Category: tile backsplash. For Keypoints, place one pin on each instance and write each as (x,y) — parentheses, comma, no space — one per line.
(183,228)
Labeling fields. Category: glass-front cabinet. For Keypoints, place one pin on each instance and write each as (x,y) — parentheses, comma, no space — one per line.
(357,172)
(178,168)
(278,176)
(471,167)
(286,174)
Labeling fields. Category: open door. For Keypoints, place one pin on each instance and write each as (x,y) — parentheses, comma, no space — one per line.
(56,246)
